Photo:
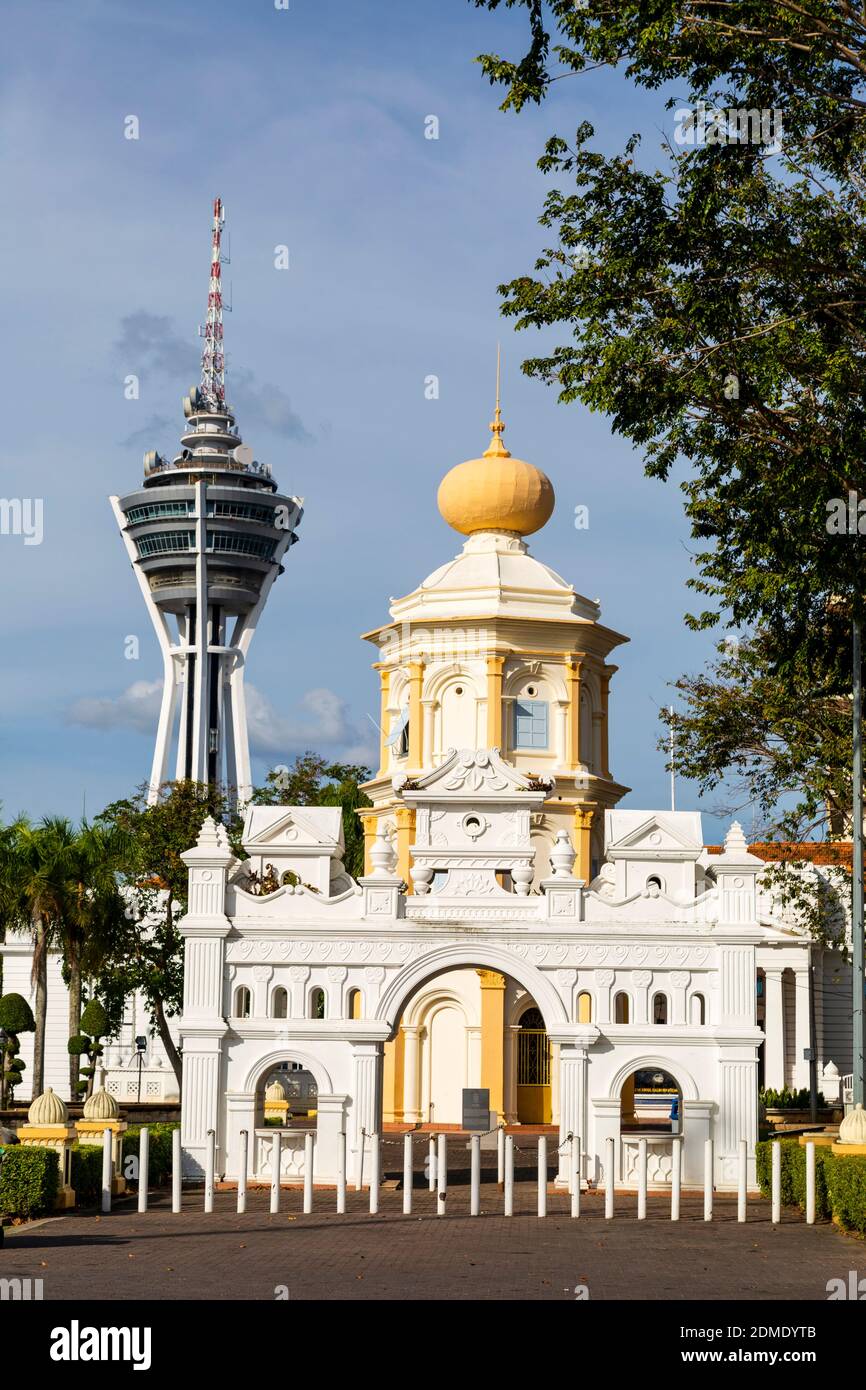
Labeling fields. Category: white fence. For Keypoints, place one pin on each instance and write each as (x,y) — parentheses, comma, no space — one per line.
(287,1155)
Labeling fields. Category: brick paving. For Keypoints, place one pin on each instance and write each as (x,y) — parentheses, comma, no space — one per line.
(160,1255)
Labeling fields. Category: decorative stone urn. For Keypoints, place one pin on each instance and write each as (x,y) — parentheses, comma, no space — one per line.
(101,1112)
(383,855)
(276,1103)
(562,855)
(852,1133)
(48,1127)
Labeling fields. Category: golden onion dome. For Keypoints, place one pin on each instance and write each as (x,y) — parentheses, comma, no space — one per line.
(496,492)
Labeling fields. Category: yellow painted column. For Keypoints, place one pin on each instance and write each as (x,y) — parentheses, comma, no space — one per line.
(392,1079)
(405,817)
(583,819)
(384,731)
(606,674)
(493,1038)
(416,728)
(494,701)
(369,823)
(573,669)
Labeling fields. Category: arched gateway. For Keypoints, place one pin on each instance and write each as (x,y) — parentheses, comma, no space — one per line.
(373,954)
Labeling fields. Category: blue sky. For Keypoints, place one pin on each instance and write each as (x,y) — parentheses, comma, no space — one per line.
(309,123)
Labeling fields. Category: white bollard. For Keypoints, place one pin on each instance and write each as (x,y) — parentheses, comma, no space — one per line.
(475,1175)
(106,1170)
(176,1170)
(143,1166)
(542,1175)
(209,1166)
(431,1163)
(309,1165)
(508,1208)
(375,1163)
(608,1178)
(810,1182)
(442,1175)
(408,1174)
(359,1171)
(575,1175)
(500,1155)
(676,1178)
(741,1181)
(276,1162)
(641,1179)
(708,1179)
(242,1172)
(341,1173)
(776,1182)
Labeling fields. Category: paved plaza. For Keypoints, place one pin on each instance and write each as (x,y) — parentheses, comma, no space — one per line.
(190,1255)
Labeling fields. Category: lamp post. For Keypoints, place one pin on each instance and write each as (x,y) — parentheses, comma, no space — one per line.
(141,1044)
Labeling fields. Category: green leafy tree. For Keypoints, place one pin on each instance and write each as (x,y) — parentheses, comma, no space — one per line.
(16,1017)
(95,1024)
(145,949)
(715,308)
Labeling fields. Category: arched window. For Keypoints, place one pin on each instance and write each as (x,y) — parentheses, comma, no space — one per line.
(584,1007)
(698,1007)
(621,1010)
(279,1003)
(660,1008)
(654,883)
(398,734)
(243,1002)
(354,1002)
(317,1003)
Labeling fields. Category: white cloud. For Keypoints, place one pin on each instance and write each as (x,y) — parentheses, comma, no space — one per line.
(136,708)
(321,721)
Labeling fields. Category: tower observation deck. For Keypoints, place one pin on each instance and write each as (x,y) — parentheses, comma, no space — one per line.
(206,534)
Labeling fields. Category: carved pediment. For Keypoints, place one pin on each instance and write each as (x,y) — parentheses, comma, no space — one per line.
(676,834)
(294,828)
(470,772)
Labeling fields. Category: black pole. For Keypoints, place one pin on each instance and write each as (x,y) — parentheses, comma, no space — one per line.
(857,875)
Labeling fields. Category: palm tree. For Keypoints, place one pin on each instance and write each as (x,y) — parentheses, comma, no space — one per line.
(34,872)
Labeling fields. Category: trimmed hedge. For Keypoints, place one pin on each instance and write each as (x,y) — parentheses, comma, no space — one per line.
(29,1180)
(159,1153)
(840,1183)
(87,1173)
(848,1192)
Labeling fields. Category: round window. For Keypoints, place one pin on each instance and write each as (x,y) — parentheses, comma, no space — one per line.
(532,690)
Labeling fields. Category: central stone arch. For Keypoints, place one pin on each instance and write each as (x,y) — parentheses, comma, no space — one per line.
(288,1053)
(480,955)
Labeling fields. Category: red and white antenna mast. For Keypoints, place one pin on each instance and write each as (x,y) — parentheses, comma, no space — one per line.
(213,364)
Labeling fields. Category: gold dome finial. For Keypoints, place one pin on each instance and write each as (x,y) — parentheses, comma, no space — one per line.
(496,448)
(496,492)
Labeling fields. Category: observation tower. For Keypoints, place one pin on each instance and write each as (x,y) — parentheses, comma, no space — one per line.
(206,534)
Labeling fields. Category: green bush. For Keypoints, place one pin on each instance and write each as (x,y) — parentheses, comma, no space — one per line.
(87,1173)
(16,1015)
(847,1180)
(786,1099)
(159,1154)
(29,1180)
(840,1183)
(94,1020)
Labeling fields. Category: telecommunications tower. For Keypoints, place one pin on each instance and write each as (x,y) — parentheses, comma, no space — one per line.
(206,534)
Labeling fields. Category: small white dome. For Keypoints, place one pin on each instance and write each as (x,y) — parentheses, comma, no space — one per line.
(101,1106)
(853,1128)
(48,1109)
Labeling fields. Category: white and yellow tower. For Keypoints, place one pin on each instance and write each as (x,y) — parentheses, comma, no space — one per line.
(496,650)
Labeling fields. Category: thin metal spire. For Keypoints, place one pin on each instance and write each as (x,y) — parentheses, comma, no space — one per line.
(496,448)
(213,372)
